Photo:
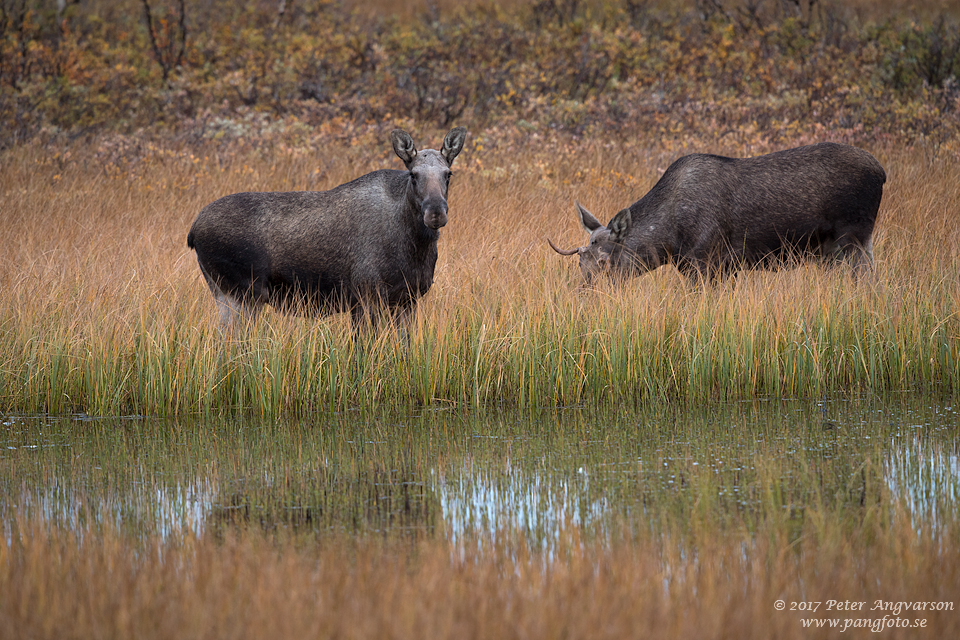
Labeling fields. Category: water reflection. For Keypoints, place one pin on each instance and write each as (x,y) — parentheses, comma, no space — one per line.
(923,471)
(479,476)
(541,507)
(371,502)
(161,510)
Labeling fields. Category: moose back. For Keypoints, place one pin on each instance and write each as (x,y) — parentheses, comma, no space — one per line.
(710,215)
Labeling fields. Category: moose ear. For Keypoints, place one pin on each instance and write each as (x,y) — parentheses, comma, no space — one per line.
(587,220)
(620,226)
(453,143)
(403,146)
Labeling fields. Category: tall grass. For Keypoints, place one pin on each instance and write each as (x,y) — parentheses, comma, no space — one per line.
(104,311)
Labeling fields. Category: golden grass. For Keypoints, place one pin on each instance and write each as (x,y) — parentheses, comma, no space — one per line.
(58,584)
(104,310)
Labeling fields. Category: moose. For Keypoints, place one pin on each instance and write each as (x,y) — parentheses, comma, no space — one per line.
(365,245)
(712,216)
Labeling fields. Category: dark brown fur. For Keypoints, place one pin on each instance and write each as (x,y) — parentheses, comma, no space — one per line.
(710,215)
(369,242)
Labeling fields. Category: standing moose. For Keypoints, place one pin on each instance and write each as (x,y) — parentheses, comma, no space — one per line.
(710,215)
(369,243)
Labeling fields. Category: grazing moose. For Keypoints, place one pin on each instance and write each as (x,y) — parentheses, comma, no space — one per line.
(369,243)
(710,215)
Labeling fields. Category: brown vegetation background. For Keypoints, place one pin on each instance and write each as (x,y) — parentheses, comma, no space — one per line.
(712,70)
(120,119)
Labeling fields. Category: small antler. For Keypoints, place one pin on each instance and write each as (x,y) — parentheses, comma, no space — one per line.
(568,252)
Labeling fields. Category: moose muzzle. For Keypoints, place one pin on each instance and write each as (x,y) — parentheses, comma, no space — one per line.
(434,212)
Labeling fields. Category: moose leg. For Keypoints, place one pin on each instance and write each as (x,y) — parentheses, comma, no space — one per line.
(699,272)
(402,320)
(860,259)
(364,316)
(857,253)
(690,272)
(358,317)
(235,313)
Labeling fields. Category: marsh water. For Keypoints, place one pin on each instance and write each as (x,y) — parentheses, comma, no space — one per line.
(478,474)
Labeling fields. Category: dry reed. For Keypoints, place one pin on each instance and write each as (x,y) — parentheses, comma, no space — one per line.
(104,310)
(61,584)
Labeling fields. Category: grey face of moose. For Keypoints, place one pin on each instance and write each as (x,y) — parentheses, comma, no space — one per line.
(429,173)
(605,252)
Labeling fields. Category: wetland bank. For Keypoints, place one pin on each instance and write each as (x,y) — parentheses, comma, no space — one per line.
(537,459)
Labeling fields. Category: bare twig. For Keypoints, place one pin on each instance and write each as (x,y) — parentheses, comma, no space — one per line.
(170,56)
